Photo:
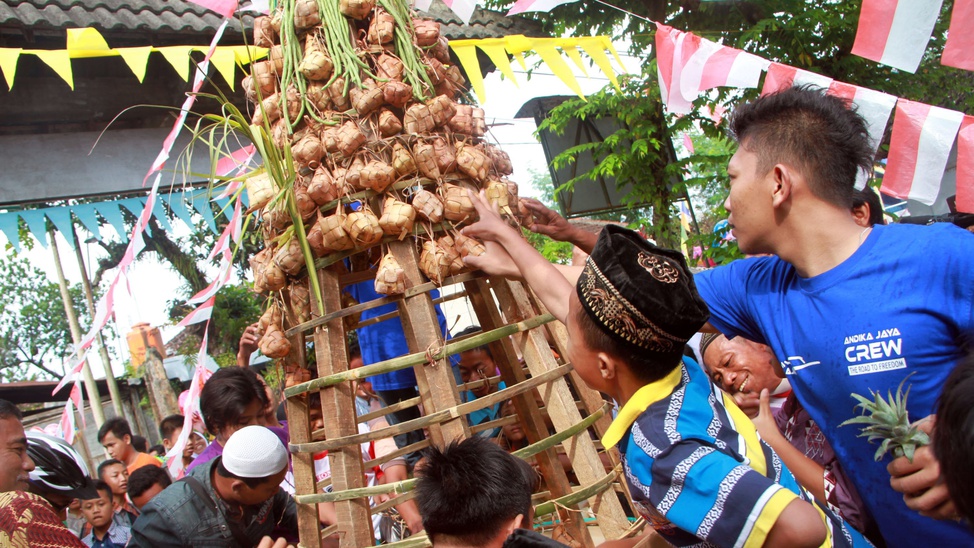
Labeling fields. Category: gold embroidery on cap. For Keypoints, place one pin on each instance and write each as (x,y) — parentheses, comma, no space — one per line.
(617,314)
(658,267)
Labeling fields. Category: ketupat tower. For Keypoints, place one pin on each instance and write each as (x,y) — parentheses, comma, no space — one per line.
(368,157)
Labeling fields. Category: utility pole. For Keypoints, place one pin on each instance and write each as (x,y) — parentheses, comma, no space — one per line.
(93,397)
(99,342)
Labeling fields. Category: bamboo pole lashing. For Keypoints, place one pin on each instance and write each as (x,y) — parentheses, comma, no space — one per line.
(578,496)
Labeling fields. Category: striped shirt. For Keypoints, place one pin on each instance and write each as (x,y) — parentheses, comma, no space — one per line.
(698,470)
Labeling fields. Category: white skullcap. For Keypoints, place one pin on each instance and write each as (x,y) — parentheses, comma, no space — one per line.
(254,452)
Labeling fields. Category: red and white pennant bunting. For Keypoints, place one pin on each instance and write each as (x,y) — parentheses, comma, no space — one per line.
(896,32)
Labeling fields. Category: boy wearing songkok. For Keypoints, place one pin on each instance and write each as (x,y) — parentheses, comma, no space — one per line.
(232,500)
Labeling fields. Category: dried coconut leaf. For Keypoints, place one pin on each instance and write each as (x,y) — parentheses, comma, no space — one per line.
(277,218)
(264,77)
(449,248)
(293,101)
(425,157)
(329,139)
(500,161)
(306,14)
(334,237)
(396,93)
(316,94)
(441,50)
(274,344)
(337,93)
(363,227)
(499,197)
(269,110)
(389,123)
(479,123)
(511,191)
(468,246)
(280,134)
(366,101)
(442,109)
(428,205)
(302,199)
(457,205)
(316,64)
(277,19)
(446,159)
(435,70)
(264,34)
(289,257)
(356,9)
(350,138)
(472,162)
(353,173)
(418,119)
(300,297)
(316,240)
(323,188)
(307,152)
(258,264)
(276,57)
(247,83)
(260,190)
(462,121)
(390,278)
(402,160)
(382,28)
(434,262)
(398,218)
(389,67)
(427,32)
(378,175)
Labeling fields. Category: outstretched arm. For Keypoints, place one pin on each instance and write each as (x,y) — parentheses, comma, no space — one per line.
(556,227)
(551,286)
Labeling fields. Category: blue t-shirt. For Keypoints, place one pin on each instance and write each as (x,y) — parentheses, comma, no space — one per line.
(901,304)
(386,339)
(698,470)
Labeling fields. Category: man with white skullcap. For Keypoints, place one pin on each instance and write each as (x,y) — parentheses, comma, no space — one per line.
(234,500)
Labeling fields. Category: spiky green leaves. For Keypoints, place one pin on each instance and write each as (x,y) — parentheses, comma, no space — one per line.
(888,422)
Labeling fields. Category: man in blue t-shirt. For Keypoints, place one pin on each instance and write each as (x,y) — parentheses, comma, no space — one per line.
(846,308)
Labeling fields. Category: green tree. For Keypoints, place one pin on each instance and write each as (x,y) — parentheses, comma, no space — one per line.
(34,331)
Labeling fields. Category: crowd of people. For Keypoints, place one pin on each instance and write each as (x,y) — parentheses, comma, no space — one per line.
(731,385)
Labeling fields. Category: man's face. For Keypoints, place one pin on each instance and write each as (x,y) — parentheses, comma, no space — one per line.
(741,366)
(117,477)
(477,365)
(253,415)
(749,202)
(117,448)
(264,491)
(584,359)
(15,463)
(98,512)
(147,495)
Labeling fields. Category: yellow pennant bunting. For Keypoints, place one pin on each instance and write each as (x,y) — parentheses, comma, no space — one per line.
(607,44)
(551,57)
(224,60)
(59,60)
(494,48)
(245,54)
(593,47)
(516,45)
(87,42)
(178,57)
(137,59)
(568,46)
(467,54)
(8,64)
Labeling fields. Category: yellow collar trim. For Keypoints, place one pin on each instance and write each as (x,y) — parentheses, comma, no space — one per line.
(640,401)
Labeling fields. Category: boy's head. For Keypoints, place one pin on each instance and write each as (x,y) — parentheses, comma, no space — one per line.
(170,428)
(473,493)
(953,436)
(231,399)
(635,305)
(116,436)
(98,511)
(253,464)
(476,364)
(147,482)
(115,474)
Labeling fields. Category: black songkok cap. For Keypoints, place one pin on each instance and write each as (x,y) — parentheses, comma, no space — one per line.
(641,294)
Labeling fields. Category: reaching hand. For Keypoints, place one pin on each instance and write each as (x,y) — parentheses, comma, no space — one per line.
(548,221)
(923,489)
(268,542)
(249,342)
(764,420)
(490,227)
(749,403)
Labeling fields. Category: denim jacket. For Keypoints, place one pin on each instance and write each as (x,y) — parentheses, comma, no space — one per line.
(177,517)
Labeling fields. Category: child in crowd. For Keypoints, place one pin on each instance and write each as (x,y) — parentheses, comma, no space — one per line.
(116,436)
(98,512)
(116,476)
(145,483)
(170,429)
(476,368)
(953,437)
(694,462)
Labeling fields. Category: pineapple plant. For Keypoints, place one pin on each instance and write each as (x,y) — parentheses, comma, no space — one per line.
(887,421)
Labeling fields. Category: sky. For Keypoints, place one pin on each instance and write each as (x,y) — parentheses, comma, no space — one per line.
(153,283)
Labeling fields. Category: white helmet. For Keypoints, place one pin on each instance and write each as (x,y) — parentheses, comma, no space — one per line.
(58,467)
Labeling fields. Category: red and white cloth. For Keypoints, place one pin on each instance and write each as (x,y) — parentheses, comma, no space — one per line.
(965,166)
(522,6)
(896,32)
(919,146)
(959,50)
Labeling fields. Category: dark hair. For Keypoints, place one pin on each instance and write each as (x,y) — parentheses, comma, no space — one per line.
(225,396)
(9,410)
(106,464)
(117,426)
(252,483)
(817,133)
(470,331)
(143,478)
(470,489)
(170,424)
(639,362)
(158,449)
(953,436)
(868,197)
(101,487)
(140,444)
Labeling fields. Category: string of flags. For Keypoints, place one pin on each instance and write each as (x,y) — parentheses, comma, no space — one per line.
(922,135)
